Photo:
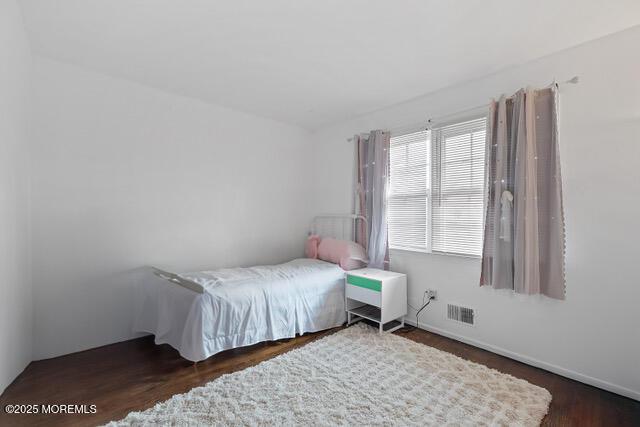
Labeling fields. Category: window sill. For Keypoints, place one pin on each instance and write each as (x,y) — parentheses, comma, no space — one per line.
(427,252)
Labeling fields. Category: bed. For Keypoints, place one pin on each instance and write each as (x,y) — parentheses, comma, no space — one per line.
(205,312)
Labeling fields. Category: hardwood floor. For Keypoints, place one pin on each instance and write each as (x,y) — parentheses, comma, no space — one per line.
(136,374)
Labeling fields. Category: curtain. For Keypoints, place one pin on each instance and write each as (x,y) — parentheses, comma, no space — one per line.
(524,235)
(371,188)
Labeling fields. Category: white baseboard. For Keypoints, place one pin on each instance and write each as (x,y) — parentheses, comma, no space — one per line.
(533,362)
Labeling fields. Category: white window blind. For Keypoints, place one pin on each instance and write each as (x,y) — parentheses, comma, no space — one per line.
(458,187)
(408,195)
(436,189)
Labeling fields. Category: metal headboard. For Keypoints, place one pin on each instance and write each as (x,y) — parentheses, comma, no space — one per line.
(338,226)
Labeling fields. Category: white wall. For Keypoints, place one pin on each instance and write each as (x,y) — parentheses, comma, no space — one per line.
(15,303)
(595,334)
(126,176)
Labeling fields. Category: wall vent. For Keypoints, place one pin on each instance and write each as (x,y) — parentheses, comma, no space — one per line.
(460,314)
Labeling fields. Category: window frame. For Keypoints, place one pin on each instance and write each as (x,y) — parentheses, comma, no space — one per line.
(429,225)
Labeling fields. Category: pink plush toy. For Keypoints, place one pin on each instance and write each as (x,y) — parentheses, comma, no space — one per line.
(347,254)
(311,247)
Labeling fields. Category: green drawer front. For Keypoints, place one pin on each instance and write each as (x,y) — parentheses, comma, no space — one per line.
(363,282)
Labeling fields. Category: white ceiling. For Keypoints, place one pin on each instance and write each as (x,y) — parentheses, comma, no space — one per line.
(313,62)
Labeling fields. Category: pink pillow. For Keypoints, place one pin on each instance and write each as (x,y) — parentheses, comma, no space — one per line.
(311,247)
(348,255)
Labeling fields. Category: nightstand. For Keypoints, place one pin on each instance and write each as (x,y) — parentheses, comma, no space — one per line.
(376,295)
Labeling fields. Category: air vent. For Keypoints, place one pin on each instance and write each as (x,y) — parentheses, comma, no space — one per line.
(460,314)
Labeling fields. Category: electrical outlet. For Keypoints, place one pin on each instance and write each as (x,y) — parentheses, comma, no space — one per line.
(431,294)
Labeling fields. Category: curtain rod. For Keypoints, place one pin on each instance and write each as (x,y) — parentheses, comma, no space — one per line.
(572,80)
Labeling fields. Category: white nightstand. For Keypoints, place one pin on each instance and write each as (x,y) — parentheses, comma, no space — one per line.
(376,295)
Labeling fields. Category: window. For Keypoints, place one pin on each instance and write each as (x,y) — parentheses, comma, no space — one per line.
(436,189)
(408,196)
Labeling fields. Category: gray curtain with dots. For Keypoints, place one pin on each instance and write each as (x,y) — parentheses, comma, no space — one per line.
(524,235)
(373,174)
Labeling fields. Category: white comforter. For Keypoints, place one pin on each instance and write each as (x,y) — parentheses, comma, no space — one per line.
(240,306)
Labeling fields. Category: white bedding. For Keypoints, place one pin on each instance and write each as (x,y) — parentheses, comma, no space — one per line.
(240,306)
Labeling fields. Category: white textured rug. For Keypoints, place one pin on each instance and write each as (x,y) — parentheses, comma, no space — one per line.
(357,377)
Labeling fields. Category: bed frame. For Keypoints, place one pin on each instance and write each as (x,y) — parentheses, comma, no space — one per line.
(338,226)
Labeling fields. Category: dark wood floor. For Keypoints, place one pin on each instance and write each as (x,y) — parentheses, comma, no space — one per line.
(136,374)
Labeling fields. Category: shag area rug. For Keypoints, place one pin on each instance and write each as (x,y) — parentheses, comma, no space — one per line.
(357,377)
